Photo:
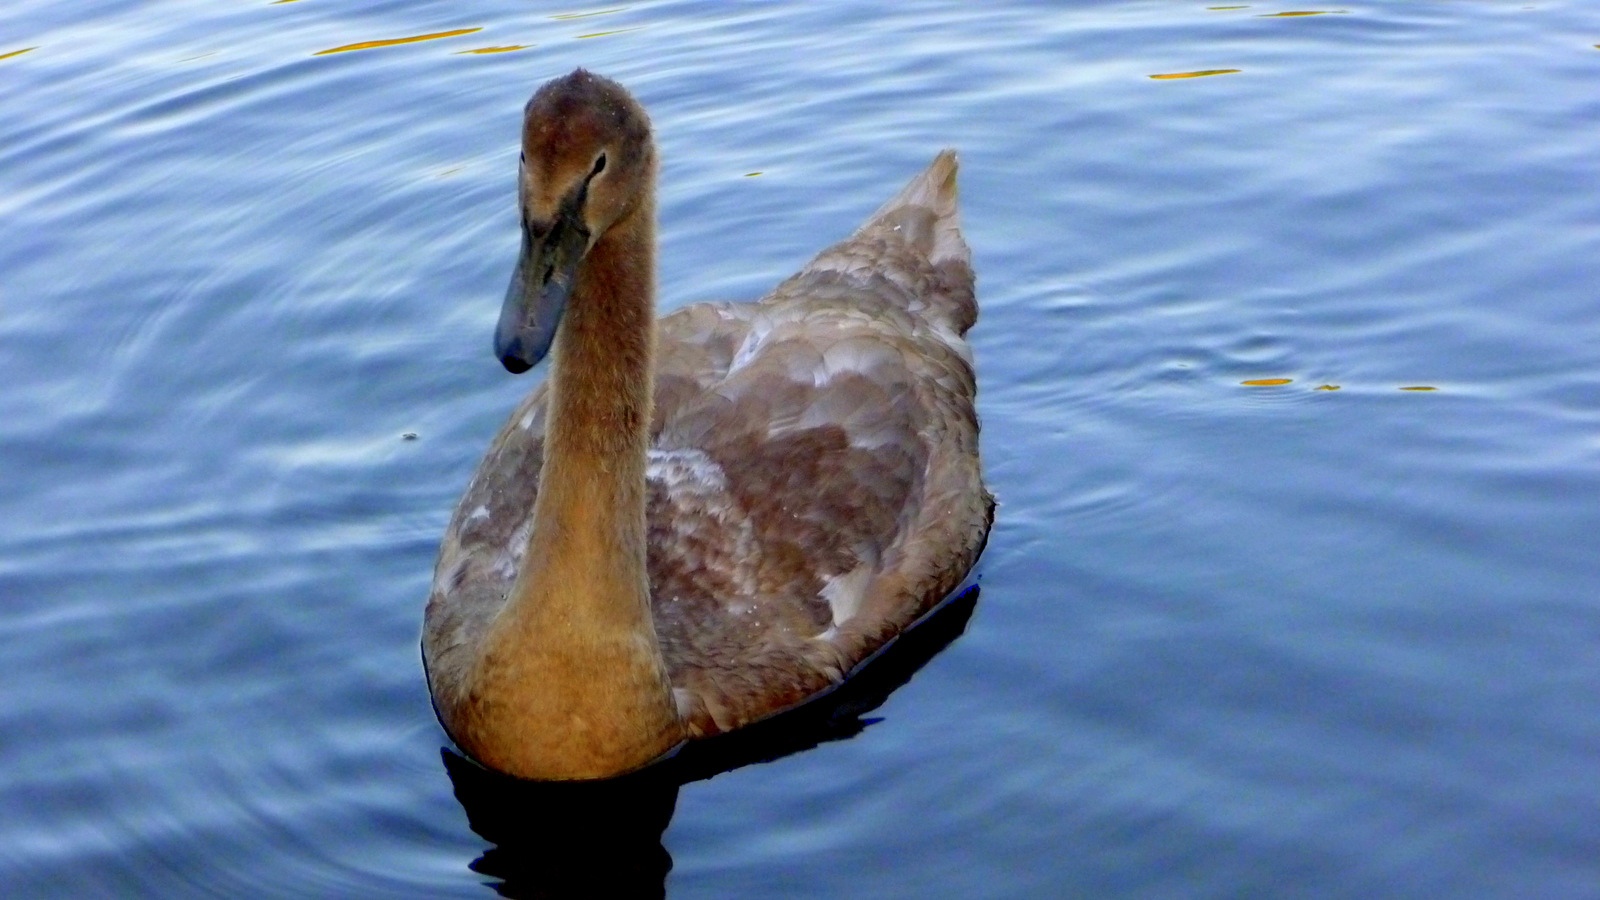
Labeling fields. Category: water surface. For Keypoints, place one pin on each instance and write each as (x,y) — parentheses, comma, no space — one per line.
(1324,636)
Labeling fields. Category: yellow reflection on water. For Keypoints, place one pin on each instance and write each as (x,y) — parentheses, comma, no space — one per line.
(17,52)
(598,12)
(1275,382)
(605,33)
(1200,74)
(368,45)
(1227,7)
(752,174)
(506,49)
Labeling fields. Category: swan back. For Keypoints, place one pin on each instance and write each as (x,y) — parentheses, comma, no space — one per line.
(815,476)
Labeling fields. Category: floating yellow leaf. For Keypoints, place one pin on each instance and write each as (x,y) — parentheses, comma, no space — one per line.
(1267,382)
(506,49)
(17,52)
(1419,387)
(1326,387)
(1201,74)
(368,45)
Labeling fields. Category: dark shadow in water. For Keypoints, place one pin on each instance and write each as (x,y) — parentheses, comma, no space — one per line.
(585,839)
(603,839)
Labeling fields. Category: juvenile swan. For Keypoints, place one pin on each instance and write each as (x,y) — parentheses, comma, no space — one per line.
(698,522)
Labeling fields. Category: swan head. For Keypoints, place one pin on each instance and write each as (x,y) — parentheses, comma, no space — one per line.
(587,162)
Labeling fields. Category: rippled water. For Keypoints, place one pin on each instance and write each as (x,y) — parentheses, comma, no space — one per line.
(1233,640)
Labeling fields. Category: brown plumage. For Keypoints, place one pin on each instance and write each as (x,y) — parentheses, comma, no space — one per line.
(700,521)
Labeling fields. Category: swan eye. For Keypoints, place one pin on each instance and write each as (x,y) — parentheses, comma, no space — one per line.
(599,165)
(522,157)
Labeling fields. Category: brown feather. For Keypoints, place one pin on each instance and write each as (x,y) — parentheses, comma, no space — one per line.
(812,480)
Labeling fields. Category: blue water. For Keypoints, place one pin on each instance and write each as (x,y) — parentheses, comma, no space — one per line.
(1232,640)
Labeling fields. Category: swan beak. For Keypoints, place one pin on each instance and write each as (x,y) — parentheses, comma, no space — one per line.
(540,285)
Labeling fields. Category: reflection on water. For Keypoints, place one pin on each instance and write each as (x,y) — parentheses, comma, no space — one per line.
(395,42)
(234,276)
(1200,74)
(506,49)
(603,839)
(589,15)
(598,839)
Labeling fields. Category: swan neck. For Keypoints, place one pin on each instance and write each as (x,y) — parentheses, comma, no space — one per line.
(601,367)
(589,519)
(571,683)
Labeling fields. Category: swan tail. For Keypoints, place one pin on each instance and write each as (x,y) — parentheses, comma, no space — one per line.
(926,212)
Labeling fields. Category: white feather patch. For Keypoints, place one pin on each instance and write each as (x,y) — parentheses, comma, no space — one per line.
(688,470)
(760,327)
(506,563)
(844,593)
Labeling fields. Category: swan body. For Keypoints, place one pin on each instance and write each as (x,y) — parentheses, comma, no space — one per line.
(699,521)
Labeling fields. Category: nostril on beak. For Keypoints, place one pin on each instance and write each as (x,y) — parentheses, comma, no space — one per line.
(514,364)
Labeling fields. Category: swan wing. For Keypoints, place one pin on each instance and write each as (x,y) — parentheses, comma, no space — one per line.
(814,476)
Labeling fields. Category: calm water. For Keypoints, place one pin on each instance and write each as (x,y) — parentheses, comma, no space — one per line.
(1233,640)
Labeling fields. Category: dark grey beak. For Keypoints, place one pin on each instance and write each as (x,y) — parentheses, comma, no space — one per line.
(538,293)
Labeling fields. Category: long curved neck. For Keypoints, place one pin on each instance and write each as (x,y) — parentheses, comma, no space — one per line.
(571,683)
(591,501)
